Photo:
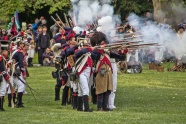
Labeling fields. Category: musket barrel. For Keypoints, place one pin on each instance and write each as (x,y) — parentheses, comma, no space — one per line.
(60,20)
(55,21)
(66,20)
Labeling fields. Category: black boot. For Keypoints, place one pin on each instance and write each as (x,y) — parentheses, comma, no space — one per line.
(65,96)
(71,96)
(75,97)
(14,98)
(1,103)
(94,96)
(57,91)
(9,100)
(29,62)
(80,103)
(19,100)
(86,104)
(100,102)
(105,101)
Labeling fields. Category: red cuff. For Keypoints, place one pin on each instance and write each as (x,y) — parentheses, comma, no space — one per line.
(100,51)
(7,77)
(75,94)
(119,52)
(63,82)
(125,51)
(24,73)
(89,49)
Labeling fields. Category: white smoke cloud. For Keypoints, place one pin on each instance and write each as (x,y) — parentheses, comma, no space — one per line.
(77,29)
(153,32)
(90,11)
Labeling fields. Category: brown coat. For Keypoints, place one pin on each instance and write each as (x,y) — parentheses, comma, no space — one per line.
(104,83)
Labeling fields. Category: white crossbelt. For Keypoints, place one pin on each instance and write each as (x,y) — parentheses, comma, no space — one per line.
(112,60)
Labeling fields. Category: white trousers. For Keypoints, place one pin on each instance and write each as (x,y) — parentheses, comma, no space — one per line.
(83,87)
(3,87)
(18,84)
(114,81)
(11,81)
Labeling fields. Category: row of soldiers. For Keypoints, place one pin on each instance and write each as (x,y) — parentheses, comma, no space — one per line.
(13,73)
(83,67)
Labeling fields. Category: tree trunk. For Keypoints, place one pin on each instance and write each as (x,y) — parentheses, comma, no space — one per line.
(170,9)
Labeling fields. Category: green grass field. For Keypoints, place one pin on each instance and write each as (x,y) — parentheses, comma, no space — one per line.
(147,98)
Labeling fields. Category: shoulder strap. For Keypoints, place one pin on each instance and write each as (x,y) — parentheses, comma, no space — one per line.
(81,61)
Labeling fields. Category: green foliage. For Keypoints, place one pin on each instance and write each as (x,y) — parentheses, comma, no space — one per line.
(8,7)
(125,7)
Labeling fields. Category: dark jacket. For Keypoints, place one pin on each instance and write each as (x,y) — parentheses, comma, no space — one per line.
(44,40)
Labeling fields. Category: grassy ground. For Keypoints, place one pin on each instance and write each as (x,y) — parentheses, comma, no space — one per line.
(147,98)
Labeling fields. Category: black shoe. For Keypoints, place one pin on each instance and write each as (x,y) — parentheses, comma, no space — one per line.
(88,110)
(63,104)
(106,109)
(20,106)
(99,109)
(80,110)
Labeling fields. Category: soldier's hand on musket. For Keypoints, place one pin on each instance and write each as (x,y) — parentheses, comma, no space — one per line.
(93,48)
(58,22)
(102,46)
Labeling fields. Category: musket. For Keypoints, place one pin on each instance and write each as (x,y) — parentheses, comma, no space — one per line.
(66,20)
(60,20)
(127,46)
(108,47)
(56,21)
(140,45)
(13,37)
(71,23)
(4,45)
(123,42)
(11,87)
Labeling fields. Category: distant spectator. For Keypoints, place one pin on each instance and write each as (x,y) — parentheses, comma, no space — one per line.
(4,35)
(43,43)
(149,16)
(48,57)
(31,53)
(39,31)
(181,33)
(36,25)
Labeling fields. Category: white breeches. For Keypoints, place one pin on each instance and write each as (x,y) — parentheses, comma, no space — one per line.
(114,81)
(3,87)
(18,84)
(83,87)
(11,81)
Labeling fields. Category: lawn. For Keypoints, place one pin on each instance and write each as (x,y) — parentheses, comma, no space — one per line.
(147,98)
